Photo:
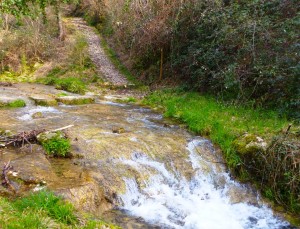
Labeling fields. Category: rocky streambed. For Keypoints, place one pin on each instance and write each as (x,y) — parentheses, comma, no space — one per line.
(129,165)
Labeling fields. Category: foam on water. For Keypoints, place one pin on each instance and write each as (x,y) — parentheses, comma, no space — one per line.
(28,114)
(168,199)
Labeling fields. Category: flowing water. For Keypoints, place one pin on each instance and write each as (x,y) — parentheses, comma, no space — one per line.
(152,170)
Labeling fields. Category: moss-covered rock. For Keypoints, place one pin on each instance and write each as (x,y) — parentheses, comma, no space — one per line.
(44,101)
(11,102)
(76,100)
(249,144)
(37,115)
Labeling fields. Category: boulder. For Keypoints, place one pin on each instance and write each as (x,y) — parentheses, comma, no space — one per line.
(249,144)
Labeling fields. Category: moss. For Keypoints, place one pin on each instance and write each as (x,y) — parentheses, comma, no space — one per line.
(44,101)
(73,100)
(13,104)
(241,144)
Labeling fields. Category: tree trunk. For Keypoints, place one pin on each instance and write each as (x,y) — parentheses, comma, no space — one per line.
(61,31)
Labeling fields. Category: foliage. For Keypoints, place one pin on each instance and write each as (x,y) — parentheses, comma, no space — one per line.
(276,171)
(246,51)
(240,51)
(279,169)
(17,103)
(75,71)
(57,146)
(43,210)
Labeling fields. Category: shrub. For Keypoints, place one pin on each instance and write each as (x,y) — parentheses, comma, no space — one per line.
(57,145)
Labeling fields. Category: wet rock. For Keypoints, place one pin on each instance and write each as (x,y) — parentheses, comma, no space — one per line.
(44,101)
(238,194)
(118,130)
(37,115)
(250,144)
(4,101)
(76,100)
(87,197)
(32,168)
(5,84)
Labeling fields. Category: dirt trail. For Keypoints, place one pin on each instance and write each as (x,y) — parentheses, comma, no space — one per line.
(104,66)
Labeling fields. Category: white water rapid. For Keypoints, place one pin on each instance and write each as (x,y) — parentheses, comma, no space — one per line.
(168,199)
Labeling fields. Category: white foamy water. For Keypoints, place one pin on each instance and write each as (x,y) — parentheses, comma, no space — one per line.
(169,200)
(28,114)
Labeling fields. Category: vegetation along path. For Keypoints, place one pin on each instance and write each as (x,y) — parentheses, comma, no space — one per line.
(97,54)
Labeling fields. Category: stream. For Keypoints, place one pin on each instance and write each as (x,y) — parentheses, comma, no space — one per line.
(148,168)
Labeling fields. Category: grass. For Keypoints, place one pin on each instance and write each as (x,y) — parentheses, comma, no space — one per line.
(38,210)
(42,210)
(14,104)
(76,71)
(62,94)
(57,146)
(224,124)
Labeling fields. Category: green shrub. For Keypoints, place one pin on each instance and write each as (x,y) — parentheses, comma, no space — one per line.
(57,146)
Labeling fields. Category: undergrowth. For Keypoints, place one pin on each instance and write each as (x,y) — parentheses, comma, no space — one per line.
(76,71)
(275,171)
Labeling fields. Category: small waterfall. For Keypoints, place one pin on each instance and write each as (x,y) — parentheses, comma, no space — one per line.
(168,199)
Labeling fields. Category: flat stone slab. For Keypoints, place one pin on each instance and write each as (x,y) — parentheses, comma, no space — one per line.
(44,101)
(75,100)
(4,100)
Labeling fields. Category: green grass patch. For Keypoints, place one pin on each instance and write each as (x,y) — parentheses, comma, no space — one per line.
(57,146)
(14,104)
(43,210)
(224,124)
(17,103)
(38,210)
(71,84)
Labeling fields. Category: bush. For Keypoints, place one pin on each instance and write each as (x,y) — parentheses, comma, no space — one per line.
(245,52)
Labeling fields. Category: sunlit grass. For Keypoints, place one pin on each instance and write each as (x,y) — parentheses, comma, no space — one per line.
(220,122)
